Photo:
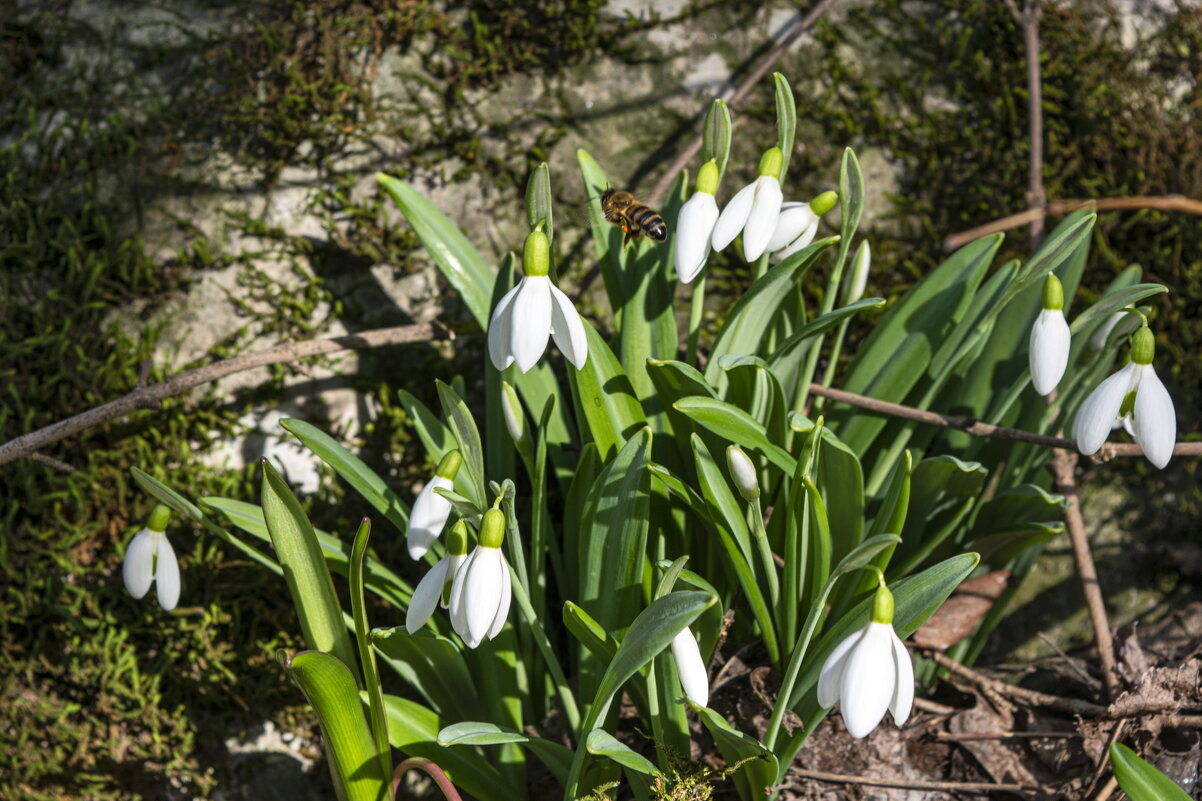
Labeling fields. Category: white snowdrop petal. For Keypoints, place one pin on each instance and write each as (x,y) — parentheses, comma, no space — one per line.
(1096,416)
(868,680)
(498,622)
(567,328)
(761,222)
(800,242)
(166,573)
(794,220)
(690,667)
(456,605)
(482,592)
(1155,420)
(531,326)
(454,562)
(733,217)
(499,330)
(832,671)
(428,517)
(694,229)
(138,569)
(903,692)
(426,597)
(1048,350)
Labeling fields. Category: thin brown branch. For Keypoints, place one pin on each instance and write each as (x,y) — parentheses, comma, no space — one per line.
(975,427)
(1058,208)
(970,736)
(800,25)
(1063,466)
(150,397)
(50,461)
(1074,706)
(908,784)
(1036,196)
(1031,697)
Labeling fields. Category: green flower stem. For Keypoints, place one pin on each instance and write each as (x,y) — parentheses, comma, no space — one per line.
(367,656)
(765,551)
(794,669)
(696,312)
(832,362)
(513,539)
(761,266)
(570,710)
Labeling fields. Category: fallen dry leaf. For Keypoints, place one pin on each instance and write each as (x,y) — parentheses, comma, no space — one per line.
(961,612)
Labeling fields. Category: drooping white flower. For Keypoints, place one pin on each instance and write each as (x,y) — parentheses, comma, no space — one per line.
(1135,398)
(481,592)
(690,667)
(869,672)
(753,210)
(534,311)
(150,559)
(430,511)
(695,225)
(797,225)
(435,586)
(1049,344)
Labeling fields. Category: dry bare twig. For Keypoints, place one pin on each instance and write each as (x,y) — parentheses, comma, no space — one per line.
(1058,208)
(152,396)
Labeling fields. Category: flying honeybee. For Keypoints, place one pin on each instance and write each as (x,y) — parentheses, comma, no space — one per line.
(635,219)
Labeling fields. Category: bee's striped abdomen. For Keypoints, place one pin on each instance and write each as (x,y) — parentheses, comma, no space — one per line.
(649,222)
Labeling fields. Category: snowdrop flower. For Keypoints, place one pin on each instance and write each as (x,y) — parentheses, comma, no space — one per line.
(869,672)
(695,225)
(797,225)
(150,558)
(435,586)
(859,273)
(1135,398)
(690,667)
(532,312)
(753,210)
(481,592)
(747,481)
(431,510)
(1048,348)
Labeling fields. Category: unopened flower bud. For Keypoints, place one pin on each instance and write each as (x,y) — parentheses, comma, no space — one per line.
(743,472)
(511,410)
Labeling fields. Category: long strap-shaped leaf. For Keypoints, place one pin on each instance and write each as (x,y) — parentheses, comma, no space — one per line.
(330,688)
(304,569)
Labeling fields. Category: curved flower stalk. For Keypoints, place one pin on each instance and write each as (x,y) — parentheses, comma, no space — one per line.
(691,667)
(431,510)
(695,225)
(435,586)
(1134,398)
(481,592)
(797,225)
(534,311)
(869,672)
(150,559)
(753,210)
(1050,339)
